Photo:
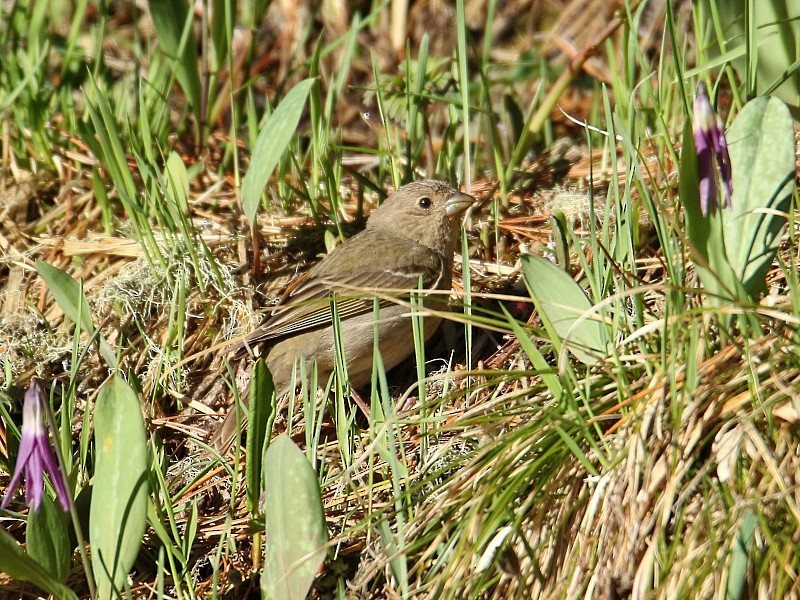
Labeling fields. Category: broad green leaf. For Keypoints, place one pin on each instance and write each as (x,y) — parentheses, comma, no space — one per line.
(737,571)
(263,407)
(561,304)
(120,487)
(47,538)
(776,38)
(70,298)
(761,145)
(296,533)
(272,142)
(16,564)
(67,293)
(175,27)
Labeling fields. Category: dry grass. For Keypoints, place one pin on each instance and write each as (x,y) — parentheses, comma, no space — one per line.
(685,460)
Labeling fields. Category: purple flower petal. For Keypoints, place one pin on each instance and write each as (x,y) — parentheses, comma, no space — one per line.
(708,187)
(35,455)
(34,481)
(725,171)
(26,448)
(56,477)
(711,146)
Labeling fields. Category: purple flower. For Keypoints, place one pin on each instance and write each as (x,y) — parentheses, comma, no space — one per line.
(35,455)
(709,140)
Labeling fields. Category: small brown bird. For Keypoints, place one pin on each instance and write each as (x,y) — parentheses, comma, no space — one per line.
(410,239)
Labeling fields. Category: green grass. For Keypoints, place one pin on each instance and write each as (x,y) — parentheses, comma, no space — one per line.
(666,469)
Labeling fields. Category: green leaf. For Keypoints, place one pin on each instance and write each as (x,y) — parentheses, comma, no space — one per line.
(761,145)
(263,408)
(560,235)
(697,226)
(120,488)
(393,545)
(106,143)
(175,27)
(272,142)
(16,564)
(739,556)
(69,296)
(178,181)
(706,239)
(538,361)
(156,523)
(773,31)
(47,538)
(563,307)
(221,27)
(295,525)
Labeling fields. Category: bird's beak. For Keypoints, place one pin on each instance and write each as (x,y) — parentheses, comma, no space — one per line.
(458,203)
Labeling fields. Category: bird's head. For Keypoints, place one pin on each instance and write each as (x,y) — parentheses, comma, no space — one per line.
(428,212)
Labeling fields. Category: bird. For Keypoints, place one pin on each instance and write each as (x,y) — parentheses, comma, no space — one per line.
(408,243)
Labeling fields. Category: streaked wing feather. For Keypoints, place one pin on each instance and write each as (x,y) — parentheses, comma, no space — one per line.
(305,305)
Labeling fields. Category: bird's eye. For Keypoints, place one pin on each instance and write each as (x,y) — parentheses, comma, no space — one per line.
(425,202)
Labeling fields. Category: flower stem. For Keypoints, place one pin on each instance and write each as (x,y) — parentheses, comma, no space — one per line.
(73,511)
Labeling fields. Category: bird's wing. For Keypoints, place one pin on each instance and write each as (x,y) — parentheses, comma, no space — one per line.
(306,303)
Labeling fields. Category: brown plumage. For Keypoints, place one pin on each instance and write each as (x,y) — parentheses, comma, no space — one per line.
(410,238)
